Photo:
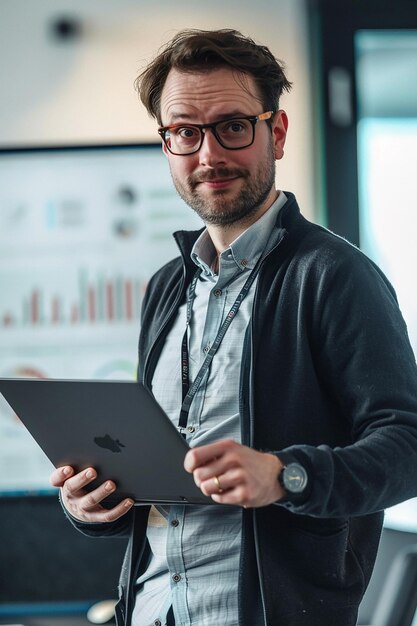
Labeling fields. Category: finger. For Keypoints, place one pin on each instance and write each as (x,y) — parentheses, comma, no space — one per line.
(237,496)
(60,475)
(202,454)
(77,482)
(220,483)
(233,458)
(111,515)
(99,514)
(215,468)
(87,507)
(228,498)
(95,497)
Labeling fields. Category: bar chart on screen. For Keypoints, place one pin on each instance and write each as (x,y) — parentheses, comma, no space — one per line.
(83,297)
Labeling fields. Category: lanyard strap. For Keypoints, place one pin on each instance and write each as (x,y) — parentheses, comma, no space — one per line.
(188,392)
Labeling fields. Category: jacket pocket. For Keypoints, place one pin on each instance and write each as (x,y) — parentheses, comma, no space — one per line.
(324,555)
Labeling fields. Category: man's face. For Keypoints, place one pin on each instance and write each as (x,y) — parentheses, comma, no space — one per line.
(222,186)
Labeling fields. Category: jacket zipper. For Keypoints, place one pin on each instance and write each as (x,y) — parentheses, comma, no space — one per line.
(251,441)
(251,431)
(161,331)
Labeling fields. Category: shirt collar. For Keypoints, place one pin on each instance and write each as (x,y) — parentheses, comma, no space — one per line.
(245,249)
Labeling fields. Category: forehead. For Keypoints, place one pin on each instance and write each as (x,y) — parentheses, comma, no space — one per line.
(201,95)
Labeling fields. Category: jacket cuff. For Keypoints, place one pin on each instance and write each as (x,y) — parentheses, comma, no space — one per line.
(292,501)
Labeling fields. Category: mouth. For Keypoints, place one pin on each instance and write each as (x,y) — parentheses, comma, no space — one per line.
(219,183)
(217,179)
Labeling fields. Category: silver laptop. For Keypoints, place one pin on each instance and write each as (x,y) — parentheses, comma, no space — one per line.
(117,427)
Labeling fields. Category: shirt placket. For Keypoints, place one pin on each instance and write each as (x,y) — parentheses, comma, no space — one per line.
(176,564)
(177,514)
(200,348)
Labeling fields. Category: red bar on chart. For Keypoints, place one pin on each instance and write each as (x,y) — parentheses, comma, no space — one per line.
(55,313)
(110,301)
(128,300)
(34,307)
(119,304)
(92,312)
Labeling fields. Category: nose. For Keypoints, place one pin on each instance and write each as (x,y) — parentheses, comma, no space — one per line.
(211,152)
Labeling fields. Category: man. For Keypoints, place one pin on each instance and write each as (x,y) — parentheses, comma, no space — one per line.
(305,415)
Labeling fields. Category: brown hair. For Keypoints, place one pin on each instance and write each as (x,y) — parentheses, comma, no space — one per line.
(204,50)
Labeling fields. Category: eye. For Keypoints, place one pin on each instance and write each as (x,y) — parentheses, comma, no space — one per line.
(236,127)
(232,128)
(185,132)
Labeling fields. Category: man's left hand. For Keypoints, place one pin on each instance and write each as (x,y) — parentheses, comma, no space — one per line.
(234,474)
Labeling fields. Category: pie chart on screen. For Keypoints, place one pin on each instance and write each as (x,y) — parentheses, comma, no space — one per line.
(24,371)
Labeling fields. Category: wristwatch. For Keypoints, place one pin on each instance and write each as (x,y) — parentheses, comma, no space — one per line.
(293,478)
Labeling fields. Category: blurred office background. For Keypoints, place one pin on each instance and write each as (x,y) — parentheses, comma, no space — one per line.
(87,209)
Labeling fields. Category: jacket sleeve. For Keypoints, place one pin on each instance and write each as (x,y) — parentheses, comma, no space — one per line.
(368,367)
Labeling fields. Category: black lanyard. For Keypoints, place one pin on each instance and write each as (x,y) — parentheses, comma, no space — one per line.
(188,392)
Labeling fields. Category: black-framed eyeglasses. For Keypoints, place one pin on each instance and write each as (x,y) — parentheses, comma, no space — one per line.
(234,133)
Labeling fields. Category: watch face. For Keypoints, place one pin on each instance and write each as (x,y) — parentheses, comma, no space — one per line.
(294,478)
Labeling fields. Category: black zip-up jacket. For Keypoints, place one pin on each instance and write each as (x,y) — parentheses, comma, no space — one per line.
(329,379)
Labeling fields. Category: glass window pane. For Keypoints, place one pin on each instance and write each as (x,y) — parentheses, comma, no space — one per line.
(387,169)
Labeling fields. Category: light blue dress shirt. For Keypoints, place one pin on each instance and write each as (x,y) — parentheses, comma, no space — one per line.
(195,550)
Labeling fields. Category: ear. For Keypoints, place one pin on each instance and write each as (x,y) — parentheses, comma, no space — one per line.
(279,133)
(164,148)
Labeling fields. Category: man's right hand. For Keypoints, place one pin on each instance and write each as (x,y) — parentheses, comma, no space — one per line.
(83,505)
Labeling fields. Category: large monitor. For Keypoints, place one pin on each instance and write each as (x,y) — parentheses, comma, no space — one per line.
(81,231)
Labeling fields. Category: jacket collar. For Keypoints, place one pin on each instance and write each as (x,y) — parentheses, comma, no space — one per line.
(287,219)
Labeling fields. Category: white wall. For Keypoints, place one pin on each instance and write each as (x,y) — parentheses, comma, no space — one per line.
(53,92)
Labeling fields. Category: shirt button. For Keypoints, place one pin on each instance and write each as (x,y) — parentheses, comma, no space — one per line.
(206,349)
(191,429)
(175,523)
(244,262)
(176,578)
(217,292)
(157,622)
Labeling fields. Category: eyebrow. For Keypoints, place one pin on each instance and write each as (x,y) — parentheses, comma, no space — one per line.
(178,117)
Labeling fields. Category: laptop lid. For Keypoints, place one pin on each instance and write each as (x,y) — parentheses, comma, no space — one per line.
(117,427)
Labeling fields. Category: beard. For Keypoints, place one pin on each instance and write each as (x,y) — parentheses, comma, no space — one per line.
(221,209)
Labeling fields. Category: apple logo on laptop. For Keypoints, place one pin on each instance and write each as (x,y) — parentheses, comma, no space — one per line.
(114,445)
